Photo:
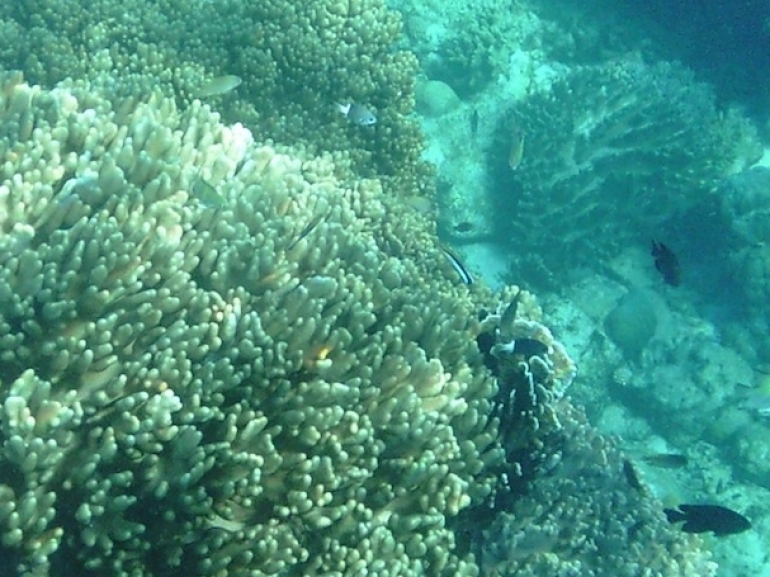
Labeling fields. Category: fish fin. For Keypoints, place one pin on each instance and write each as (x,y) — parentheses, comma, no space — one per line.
(674,516)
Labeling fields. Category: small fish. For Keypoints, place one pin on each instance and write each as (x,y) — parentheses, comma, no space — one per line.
(206,194)
(307,230)
(463,227)
(702,518)
(217,86)
(666,263)
(632,476)
(474,123)
(508,318)
(520,349)
(756,401)
(457,264)
(357,114)
(666,460)
(516,151)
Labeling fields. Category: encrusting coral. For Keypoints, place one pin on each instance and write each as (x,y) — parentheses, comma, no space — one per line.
(289,381)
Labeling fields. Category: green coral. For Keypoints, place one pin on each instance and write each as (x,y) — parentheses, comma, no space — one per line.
(290,384)
(296,60)
(214,391)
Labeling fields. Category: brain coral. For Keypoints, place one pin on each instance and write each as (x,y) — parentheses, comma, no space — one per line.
(610,152)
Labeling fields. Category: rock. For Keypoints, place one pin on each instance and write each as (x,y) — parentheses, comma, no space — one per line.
(435,98)
(631,324)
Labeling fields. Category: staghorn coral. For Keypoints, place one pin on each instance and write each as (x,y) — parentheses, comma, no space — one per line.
(612,150)
(296,61)
(244,389)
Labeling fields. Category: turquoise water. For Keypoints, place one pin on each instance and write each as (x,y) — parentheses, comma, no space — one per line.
(577,223)
(305,212)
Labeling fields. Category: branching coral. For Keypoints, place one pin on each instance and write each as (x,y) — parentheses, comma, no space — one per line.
(286,383)
(227,390)
(296,62)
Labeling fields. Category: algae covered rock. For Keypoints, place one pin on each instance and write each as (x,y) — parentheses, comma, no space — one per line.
(435,98)
(631,324)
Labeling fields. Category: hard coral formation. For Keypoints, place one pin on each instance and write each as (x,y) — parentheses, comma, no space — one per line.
(606,524)
(286,383)
(611,150)
(296,61)
(221,390)
(478,52)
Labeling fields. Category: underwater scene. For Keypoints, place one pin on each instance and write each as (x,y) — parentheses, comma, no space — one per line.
(384,288)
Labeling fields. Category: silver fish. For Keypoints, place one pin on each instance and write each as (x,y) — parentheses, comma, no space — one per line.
(217,86)
(307,230)
(357,114)
(757,402)
(207,194)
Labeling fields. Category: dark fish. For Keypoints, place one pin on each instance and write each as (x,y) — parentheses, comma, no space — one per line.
(702,518)
(632,476)
(474,123)
(463,226)
(457,264)
(529,348)
(666,263)
(666,460)
(521,349)
(306,231)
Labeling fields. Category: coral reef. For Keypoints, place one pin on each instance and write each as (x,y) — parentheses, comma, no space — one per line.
(222,390)
(611,151)
(618,533)
(289,382)
(296,61)
(476,43)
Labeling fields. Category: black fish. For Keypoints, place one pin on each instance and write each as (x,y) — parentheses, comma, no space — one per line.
(666,460)
(632,476)
(529,348)
(666,263)
(702,518)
